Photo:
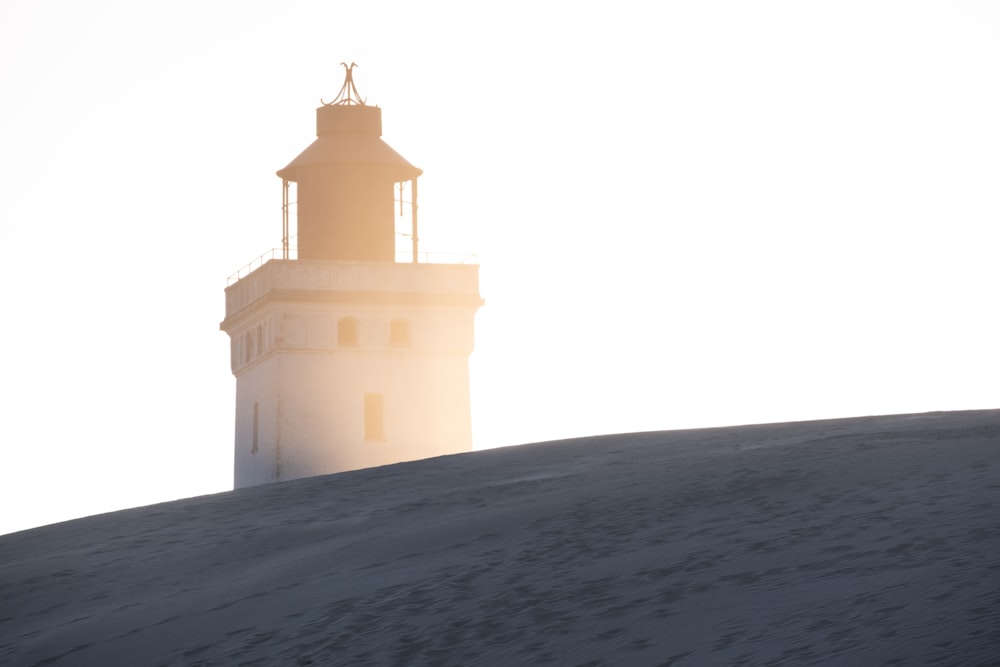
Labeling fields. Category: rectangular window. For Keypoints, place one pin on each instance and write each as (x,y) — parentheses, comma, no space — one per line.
(374,417)
(399,334)
(256,424)
(347,332)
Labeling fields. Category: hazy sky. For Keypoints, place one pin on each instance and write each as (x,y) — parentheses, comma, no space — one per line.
(700,214)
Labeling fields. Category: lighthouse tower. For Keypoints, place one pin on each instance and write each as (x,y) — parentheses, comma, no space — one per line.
(345,358)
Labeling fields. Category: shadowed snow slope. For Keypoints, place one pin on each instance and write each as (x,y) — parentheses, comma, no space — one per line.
(852,541)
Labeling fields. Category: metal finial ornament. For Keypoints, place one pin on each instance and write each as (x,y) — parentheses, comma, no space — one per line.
(348,92)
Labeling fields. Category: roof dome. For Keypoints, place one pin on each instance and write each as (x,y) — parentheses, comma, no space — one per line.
(349,133)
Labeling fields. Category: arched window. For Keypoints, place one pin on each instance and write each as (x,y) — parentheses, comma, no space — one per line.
(347,332)
(399,334)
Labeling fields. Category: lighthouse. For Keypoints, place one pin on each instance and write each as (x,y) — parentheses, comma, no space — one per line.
(344,357)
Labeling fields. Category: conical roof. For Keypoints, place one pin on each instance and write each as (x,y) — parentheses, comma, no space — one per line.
(349,135)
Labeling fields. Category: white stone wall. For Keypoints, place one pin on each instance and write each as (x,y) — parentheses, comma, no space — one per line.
(310,390)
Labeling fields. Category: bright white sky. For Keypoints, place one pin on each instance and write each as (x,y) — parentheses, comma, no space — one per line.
(701,214)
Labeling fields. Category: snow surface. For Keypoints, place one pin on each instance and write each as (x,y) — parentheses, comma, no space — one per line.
(858,541)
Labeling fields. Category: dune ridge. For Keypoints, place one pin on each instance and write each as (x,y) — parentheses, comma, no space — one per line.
(871,540)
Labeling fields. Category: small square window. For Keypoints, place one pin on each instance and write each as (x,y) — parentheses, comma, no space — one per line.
(399,334)
(347,332)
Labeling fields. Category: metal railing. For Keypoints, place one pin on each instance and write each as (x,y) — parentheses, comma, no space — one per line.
(433,257)
(244,271)
(402,257)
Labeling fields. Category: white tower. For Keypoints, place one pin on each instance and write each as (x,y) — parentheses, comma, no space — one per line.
(343,357)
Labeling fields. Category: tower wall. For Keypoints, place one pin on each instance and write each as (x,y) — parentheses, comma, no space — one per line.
(346,213)
(315,390)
